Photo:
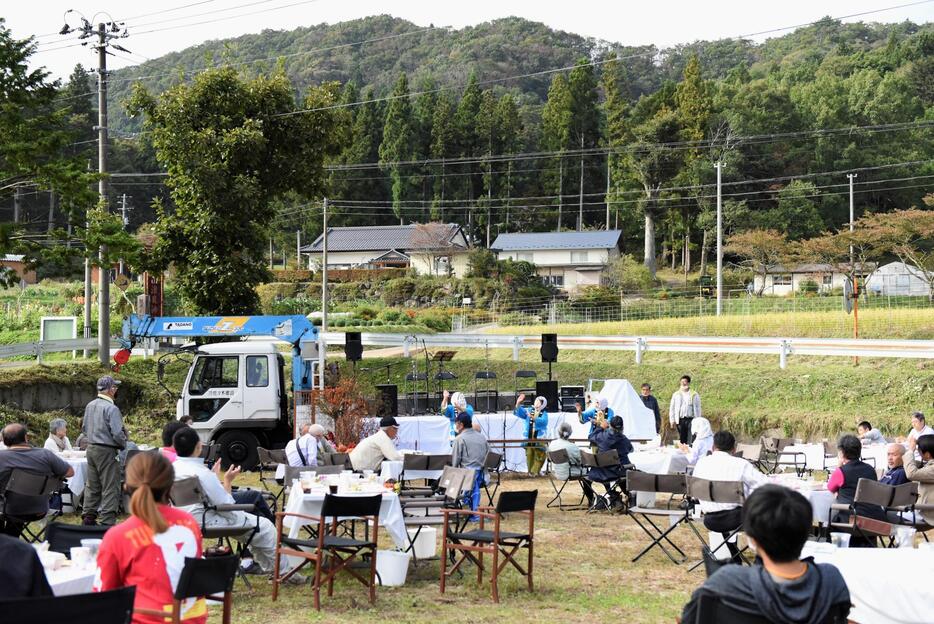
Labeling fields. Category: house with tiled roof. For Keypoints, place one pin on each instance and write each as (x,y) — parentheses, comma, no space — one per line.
(429,248)
(565,260)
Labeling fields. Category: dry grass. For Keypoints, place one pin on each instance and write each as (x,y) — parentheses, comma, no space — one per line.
(583,574)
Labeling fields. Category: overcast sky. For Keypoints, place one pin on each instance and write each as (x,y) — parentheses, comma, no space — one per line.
(662,22)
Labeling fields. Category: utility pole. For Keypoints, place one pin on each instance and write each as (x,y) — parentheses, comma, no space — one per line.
(489,203)
(125,221)
(105,32)
(298,250)
(560,189)
(16,208)
(51,210)
(580,216)
(719,166)
(851,177)
(324,268)
(608,191)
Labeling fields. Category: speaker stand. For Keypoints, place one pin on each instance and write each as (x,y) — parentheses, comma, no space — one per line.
(549,371)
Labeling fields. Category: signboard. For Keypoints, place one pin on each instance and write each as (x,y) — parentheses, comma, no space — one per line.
(58,328)
(153,285)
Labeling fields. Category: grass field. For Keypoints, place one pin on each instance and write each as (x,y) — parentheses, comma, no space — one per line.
(913,324)
(583,574)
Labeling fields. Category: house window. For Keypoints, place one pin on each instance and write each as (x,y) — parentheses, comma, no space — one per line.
(827,280)
(579,256)
(783,279)
(553,280)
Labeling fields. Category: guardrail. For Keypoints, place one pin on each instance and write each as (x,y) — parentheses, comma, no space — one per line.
(639,345)
(39,348)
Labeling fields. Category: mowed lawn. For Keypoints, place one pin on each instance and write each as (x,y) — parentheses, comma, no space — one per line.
(583,573)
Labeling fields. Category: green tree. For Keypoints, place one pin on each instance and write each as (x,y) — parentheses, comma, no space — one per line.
(399,144)
(796,212)
(443,145)
(231,145)
(557,128)
(585,128)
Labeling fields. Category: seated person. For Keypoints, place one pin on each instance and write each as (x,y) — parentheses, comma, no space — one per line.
(57,442)
(895,473)
(783,588)
(454,404)
(919,427)
(599,406)
(19,455)
(321,439)
(370,453)
(573,469)
(149,548)
(868,434)
(722,465)
(22,574)
(923,473)
(845,478)
(81,442)
(703,440)
(469,451)
(217,488)
(168,433)
(609,437)
(303,450)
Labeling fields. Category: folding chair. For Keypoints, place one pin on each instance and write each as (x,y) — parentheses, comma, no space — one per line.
(904,502)
(210,453)
(491,466)
(774,451)
(211,578)
(606,459)
(25,493)
(186,492)
(410,462)
(475,543)
(830,456)
(525,384)
(486,389)
(428,496)
(341,551)
(337,459)
(726,492)
(269,461)
(658,484)
(109,607)
(62,537)
(560,456)
(754,454)
(450,499)
(869,493)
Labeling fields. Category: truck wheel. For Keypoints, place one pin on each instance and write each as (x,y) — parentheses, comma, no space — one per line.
(238,448)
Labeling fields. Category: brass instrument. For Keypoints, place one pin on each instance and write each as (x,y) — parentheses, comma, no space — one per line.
(600,418)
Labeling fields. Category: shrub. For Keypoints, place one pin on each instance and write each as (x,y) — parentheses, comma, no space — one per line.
(398,291)
(435,319)
(628,274)
(808,286)
(365,312)
(390,316)
(519,318)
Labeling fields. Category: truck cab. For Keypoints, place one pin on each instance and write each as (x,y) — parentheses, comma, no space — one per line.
(235,394)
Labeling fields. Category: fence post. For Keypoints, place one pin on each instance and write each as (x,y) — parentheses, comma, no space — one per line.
(640,346)
(38,353)
(784,349)
(516,343)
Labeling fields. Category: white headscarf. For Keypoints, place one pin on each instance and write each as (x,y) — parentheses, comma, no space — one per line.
(602,404)
(459,401)
(543,401)
(700,427)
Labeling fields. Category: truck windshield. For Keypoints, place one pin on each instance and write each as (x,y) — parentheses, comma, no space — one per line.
(214,372)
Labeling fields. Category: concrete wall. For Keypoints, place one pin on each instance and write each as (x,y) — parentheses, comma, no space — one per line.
(45,397)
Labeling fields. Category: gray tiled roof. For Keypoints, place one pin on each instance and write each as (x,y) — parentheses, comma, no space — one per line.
(385,237)
(601,239)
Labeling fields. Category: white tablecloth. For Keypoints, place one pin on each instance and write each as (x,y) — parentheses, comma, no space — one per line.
(886,585)
(814,455)
(69,580)
(77,481)
(657,461)
(390,513)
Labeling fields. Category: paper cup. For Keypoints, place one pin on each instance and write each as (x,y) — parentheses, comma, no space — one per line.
(80,556)
(840,540)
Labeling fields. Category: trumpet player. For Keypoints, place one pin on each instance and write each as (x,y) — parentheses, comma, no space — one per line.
(536,427)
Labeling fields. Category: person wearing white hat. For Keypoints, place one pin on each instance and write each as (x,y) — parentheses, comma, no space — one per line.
(454,404)
(598,406)
(536,428)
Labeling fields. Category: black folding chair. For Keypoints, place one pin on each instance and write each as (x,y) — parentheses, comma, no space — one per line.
(25,493)
(775,455)
(486,389)
(872,494)
(269,462)
(186,492)
(525,384)
(616,486)
(560,457)
(712,610)
(342,552)
(211,578)
(673,484)
(725,492)
(410,462)
(492,466)
(496,542)
(109,607)
(63,537)
(450,498)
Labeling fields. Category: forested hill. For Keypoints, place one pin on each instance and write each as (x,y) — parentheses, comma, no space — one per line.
(493,50)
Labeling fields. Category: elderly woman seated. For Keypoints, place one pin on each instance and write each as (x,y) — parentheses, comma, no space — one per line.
(572,469)
(57,441)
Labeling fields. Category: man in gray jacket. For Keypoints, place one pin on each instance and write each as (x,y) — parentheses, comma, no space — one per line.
(103,426)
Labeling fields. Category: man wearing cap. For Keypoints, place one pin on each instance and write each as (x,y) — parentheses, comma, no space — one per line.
(469,451)
(103,427)
(371,451)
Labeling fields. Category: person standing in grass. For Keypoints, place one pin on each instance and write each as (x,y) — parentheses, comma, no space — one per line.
(684,407)
(652,403)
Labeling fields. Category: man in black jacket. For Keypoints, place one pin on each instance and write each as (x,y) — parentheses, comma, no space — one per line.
(649,400)
(21,575)
(783,589)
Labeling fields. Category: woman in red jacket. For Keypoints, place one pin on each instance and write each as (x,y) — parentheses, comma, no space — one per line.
(148,550)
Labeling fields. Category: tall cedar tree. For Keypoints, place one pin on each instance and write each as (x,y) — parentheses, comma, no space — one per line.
(399,144)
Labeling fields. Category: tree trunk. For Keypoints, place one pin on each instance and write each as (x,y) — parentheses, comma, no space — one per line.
(687,248)
(560,190)
(674,257)
(649,260)
(51,211)
(703,254)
